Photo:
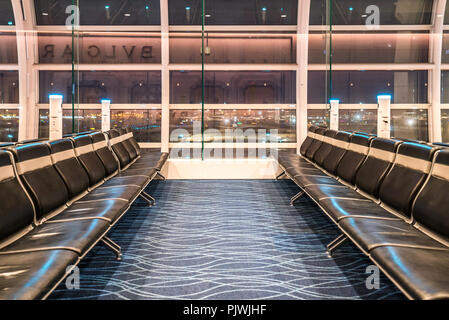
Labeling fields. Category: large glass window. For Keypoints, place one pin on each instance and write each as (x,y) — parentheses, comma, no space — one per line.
(9,87)
(6,13)
(364,47)
(233,48)
(85,120)
(355,87)
(95,47)
(146,124)
(100,12)
(445,124)
(8,48)
(360,12)
(234,12)
(234,87)
(318,117)
(359,120)
(228,121)
(9,125)
(122,87)
(409,124)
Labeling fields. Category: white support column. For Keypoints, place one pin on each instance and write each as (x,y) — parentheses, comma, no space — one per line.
(55,116)
(384,116)
(436,48)
(334,114)
(165,77)
(28,78)
(302,59)
(105,115)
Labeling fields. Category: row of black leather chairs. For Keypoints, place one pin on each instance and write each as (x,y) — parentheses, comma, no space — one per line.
(58,199)
(388,196)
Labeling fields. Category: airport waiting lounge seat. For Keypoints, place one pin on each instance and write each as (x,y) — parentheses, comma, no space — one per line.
(58,199)
(388,196)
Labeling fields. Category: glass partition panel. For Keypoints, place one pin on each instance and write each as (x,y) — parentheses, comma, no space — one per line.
(445,124)
(318,117)
(8,48)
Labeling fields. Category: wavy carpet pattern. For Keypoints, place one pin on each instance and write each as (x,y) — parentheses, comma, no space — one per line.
(225,240)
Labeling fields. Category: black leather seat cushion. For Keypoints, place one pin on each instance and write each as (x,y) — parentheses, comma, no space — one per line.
(27,276)
(307,180)
(342,208)
(109,210)
(138,179)
(128,193)
(78,236)
(422,273)
(373,233)
(303,170)
(322,191)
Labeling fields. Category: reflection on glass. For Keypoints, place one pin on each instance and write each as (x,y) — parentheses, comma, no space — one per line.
(100,12)
(8,48)
(143,87)
(409,124)
(356,87)
(358,120)
(233,48)
(9,125)
(98,48)
(233,87)
(359,12)
(356,47)
(9,87)
(234,12)
(146,124)
(247,122)
(318,117)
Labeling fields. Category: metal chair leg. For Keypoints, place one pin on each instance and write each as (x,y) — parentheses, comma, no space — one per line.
(149,201)
(114,247)
(296,197)
(279,176)
(146,195)
(161,176)
(334,245)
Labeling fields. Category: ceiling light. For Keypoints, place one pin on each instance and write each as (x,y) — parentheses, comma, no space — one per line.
(127,14)
(44,13)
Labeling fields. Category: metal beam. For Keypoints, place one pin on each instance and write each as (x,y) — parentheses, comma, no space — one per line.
(436,51)
(302,59)
(165,77)
(27,56)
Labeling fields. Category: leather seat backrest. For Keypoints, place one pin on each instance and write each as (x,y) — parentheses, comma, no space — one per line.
(66,163)
(308,141)
(84,150)
(353,158)
(325,148)
(402,183)
(382,153)
(104,153)
(133,141)
(316,143)
(118,148)
(431,205)
(339,146)
(16,208)
(124,137)
(42,181)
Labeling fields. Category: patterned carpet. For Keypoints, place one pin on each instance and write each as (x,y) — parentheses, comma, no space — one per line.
(225,240)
